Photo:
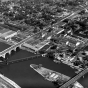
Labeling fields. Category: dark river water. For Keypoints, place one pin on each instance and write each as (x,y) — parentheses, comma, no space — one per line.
(26,77)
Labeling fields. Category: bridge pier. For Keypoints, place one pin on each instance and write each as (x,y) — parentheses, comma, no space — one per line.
(3,56)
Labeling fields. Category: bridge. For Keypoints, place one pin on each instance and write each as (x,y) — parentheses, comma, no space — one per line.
(13,47)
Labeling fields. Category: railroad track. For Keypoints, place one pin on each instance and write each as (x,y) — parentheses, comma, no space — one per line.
(8,50)
(74,79)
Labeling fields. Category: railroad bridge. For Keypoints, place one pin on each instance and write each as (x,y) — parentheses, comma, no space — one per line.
(15,47)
